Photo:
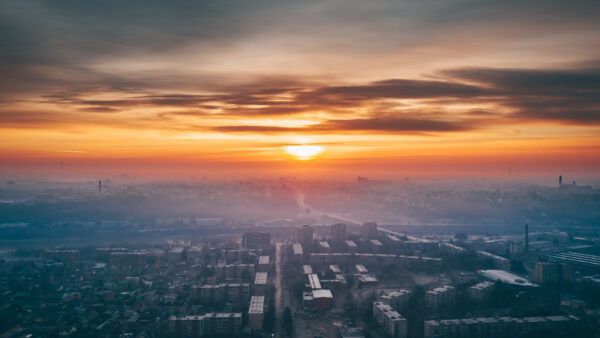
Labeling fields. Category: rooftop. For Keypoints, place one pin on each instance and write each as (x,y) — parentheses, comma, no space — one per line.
(297,249)
(335,268)
(322,293)
(257,304)
(576,258)
(361,268)
(261,278)
(313,280)
(506,277)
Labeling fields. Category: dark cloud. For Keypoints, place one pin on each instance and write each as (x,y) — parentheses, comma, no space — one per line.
(395,124)
(53,52)
(567,95)
(99,109)
(256,129)
(373,124)
(399,89)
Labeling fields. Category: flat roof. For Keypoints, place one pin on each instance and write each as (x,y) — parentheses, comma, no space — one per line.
(257,304)
(324,244)
(297,249)
(335,268)
(350,243)
(263,260)
(307,295)
(367,278)
(375,242)
(307,269)
(261,278)
(492,256)
(455,247)
(313,280)
(395,293)
(322,293)
(506,277)
(393,238)
(361,268)
(576,258)
(482,285)
(441,289)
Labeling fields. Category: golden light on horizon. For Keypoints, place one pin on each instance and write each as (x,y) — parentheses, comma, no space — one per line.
(304,152)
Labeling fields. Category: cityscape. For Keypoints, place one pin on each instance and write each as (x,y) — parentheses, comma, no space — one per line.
(306,273)
(305,168)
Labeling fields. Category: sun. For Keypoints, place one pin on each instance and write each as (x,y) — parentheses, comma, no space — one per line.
(304,152)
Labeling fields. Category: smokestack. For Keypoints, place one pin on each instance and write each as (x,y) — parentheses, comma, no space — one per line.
(560,180)
(526,237)
(99,186)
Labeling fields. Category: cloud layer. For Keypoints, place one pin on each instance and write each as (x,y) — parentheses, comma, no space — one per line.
(273,67)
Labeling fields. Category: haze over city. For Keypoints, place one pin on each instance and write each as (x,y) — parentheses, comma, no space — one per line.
(399,169)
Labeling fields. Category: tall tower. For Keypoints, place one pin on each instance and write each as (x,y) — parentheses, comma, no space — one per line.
(369,230)
(305,235)
(338,232)
(526,237)
(99,186)
(560,180)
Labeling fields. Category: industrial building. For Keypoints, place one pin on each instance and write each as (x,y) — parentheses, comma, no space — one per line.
(576,258)
(506,277)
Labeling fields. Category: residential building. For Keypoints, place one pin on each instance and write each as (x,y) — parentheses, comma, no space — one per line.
(369,230)
(211,324)
(338,232)
(480,291)
(256,240)
(440,296)
(256,313)
(397,299)
(391,321)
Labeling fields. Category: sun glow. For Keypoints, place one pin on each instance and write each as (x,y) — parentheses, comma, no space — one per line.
(304,152)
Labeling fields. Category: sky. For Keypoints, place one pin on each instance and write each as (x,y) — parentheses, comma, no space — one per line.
(386,89)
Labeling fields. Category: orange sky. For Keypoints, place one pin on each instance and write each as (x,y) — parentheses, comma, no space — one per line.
(386,89)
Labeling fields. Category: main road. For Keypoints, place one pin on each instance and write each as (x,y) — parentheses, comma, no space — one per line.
(278,290)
